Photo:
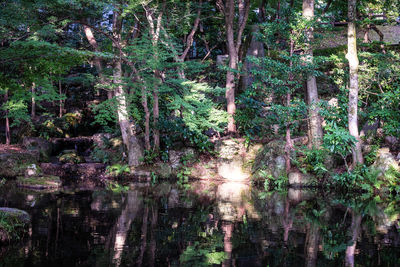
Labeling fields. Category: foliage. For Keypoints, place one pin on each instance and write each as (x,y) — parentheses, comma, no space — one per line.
(312,161)
(12,226)
(338,140)
(117,169)
(201,255)
(360,178)
(116,187)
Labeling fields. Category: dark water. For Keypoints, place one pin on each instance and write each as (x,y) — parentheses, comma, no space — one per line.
(228,224)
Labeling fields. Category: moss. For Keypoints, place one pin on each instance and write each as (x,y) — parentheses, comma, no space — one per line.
(39,182)
(71,157)
(13,224)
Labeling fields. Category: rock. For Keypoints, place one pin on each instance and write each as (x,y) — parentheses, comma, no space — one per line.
(31,170)
(13,224)
(70,156)
(78,171)
(13,164)
(392,142)
(42,146)
(231,160)
(39,182)
(100,139)
(270,161)
(116,142)
(299,179)
(369,129)
(176,156)
(163,170)
(385,160)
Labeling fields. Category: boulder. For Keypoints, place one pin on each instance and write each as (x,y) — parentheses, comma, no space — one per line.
(392,142)
(163,170)
(270,161)
(70,156)
(79,171)
(14,163)
(176,156)
(101,139)
(40,145)
(385,160)
(13,224)
(231,160)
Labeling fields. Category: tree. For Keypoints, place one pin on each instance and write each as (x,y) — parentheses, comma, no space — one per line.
(233,45)
(353,81)
(315,126)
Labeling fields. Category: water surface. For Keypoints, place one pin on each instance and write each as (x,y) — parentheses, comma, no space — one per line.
(202,224)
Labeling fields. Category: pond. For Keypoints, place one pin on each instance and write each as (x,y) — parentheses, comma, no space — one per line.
(202,224)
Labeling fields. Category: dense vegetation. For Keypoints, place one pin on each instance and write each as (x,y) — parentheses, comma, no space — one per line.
(153,72)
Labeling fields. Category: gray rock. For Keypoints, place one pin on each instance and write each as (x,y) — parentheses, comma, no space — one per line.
(385,160)
(42,146)
(100,139)
(10,216)
(21,215)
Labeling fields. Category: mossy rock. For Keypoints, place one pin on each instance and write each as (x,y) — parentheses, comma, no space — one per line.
(15,164)
(13,224)
(270,161)
(39,182)
(70,156)
(39,145)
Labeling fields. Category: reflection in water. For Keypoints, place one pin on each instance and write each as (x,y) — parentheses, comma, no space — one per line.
(355,231)
(227,224)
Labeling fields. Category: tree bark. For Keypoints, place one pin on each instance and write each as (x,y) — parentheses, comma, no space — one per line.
(33,107)
(7,130)
(146,119)
(155,28)
(233,50)
(97,61)
(60,114)
(289,143)
(315,122)
(127,126)
(353,83)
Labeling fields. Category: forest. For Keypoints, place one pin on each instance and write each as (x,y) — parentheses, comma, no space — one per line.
(199,133)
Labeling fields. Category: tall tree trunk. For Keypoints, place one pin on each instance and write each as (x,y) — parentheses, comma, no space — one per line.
(289,143)
(97,61)
(7,130)
(156,116)
(233,50)
(60,114)
(353,83)
(127,126)
(33,107)
(155,29)
(314,121)
(146,119)
(355,232)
